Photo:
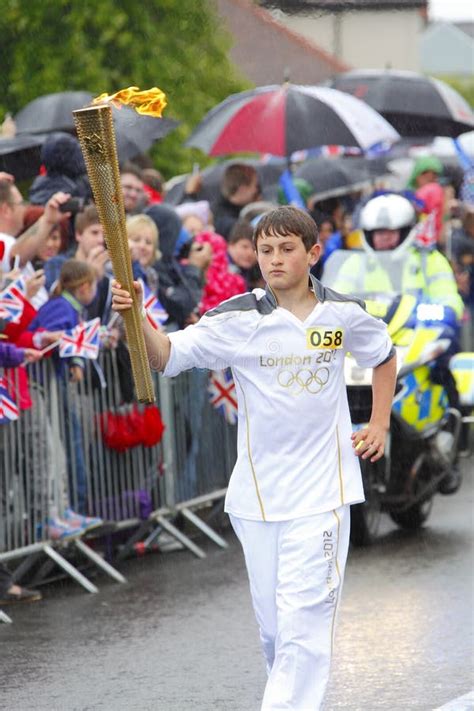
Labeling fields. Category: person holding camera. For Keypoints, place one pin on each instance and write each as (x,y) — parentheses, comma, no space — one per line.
(19,246)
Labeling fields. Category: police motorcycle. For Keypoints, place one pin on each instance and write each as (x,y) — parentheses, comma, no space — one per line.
(422,442)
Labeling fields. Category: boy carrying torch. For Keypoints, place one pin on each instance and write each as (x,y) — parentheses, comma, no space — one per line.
(297,471)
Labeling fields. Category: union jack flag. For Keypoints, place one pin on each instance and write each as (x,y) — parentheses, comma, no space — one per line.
(12,301)
(81,341)
(155,311)
(425,232)
(8,408)
(222,394)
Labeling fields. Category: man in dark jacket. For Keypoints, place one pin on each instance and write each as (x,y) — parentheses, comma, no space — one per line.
(239,187)
(62,158)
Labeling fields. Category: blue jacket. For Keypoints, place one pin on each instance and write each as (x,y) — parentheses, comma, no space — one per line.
(10,355)
(60,313)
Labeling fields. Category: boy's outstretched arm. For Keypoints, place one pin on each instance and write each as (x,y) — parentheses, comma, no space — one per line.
(158,344)
(370,441)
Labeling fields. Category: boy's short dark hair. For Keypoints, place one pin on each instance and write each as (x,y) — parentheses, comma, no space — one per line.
(241,230)
(322,218)
(288,220)
(235,176)
(89,216)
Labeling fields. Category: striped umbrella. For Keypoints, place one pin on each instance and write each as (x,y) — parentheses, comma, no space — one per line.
(283,119)
(417,106)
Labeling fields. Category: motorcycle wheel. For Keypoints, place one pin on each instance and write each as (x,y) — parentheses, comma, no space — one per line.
(365,517)
(415,516)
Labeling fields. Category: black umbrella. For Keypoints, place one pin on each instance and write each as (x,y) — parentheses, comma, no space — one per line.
(135,133)
(417,106)
(51,112)
(268,174)
(338,176)
(20,156)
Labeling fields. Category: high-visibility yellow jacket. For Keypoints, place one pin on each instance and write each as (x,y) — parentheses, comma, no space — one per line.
(426,275)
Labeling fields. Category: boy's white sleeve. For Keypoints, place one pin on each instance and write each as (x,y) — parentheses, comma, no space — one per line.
(211,343)
(367,338)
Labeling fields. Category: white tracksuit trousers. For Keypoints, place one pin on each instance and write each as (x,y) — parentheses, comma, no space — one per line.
(296,571)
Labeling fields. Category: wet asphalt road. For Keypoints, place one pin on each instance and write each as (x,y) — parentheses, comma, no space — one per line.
(180,635)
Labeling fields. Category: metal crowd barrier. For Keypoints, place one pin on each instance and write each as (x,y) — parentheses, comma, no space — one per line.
(81,444)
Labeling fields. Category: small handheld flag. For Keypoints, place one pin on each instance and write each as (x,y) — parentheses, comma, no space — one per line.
(155,312)
(12,301)
(425,232)
(81,341)
(8,408)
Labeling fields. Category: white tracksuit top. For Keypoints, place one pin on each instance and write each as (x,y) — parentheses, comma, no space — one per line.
(295,455)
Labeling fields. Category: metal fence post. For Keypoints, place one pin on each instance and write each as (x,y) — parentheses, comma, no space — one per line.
(165,386)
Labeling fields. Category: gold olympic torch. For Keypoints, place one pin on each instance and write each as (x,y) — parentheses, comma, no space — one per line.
(95,130)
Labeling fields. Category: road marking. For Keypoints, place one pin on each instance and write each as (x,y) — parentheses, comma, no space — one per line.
(462,703)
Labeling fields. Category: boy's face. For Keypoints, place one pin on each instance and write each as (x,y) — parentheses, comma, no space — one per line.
(247,193)
(284,261)
(243,253)
(93,236)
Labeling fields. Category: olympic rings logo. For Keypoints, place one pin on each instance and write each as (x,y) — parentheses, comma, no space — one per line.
(304,379)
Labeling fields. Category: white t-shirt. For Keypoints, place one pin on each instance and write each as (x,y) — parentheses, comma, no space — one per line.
(295,455)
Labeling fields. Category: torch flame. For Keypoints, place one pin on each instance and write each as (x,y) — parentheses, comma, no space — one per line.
(149,102)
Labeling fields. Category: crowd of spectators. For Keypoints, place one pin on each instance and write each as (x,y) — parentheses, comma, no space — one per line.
(190,256)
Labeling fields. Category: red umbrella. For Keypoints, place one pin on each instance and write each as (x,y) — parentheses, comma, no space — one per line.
(283,119)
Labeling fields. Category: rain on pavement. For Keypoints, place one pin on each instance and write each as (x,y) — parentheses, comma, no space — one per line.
(180,633)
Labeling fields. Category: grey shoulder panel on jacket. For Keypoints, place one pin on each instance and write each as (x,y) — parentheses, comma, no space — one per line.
(246,302)
(324,293)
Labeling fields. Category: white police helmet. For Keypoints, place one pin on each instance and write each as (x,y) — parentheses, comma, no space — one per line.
(387,212)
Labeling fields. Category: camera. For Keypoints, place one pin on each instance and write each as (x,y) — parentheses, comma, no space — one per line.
(73,205)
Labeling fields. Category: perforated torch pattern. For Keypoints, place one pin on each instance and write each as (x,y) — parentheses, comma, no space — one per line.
(96,135)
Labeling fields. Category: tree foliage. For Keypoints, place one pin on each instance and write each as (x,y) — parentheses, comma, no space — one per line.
(177,45)
(463,85)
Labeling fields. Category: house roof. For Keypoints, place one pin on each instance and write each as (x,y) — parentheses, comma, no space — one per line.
(466,27)
(296,6)
(446,49)
(265,50)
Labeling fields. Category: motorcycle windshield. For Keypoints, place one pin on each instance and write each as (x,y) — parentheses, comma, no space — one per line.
(386,281)
(367,275)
